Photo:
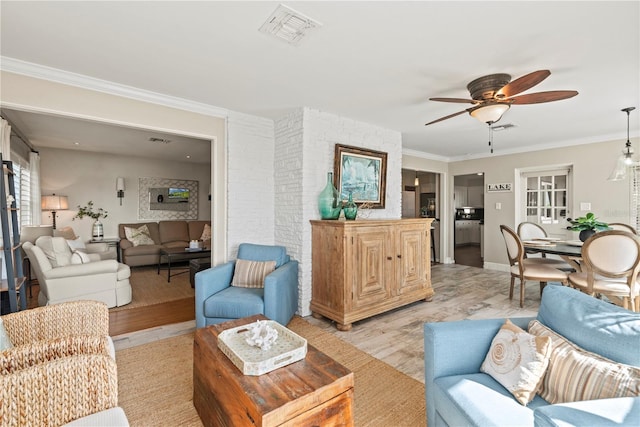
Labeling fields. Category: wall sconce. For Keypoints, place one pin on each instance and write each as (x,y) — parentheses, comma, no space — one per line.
(54,203)
(120,188)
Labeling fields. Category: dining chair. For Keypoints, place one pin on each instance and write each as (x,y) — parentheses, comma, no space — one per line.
(523,269)
(622,226)
(611,262)
(531,231)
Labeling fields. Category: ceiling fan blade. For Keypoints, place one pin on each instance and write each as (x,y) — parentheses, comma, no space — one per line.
(447,117)
(458,100)
(540,97)
(523,83)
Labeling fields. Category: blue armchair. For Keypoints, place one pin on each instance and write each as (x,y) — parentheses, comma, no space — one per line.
(217,301)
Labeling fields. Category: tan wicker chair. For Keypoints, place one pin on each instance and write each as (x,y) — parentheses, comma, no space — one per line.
(61,366)
(527,271)
(611,262)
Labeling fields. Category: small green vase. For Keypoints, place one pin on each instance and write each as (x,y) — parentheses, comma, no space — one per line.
(329,202)
(350,208)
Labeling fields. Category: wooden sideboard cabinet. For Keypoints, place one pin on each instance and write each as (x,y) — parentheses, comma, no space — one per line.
(366,267)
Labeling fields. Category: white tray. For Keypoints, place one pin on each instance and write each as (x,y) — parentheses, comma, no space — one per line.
(288,348)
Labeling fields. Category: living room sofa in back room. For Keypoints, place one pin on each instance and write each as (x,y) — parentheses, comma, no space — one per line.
(142,246)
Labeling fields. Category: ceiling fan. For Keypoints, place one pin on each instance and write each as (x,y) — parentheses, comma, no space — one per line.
(493,95)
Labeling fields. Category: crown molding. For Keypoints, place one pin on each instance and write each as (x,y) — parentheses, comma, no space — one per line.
(43,72)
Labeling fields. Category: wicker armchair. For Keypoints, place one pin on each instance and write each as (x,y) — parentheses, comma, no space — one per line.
(61,367)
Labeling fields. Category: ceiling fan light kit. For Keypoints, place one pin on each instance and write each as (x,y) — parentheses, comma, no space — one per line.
(489,113)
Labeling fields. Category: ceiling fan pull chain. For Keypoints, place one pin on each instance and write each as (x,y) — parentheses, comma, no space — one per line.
(490,137)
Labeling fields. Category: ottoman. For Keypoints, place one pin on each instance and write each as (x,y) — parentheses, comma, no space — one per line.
(196,265)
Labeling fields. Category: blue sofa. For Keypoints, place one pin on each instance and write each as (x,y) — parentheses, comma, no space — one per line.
(459,394)
(217,301)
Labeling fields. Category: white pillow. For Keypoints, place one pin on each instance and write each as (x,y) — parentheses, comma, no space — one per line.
(5,342)
(76,244)
(139,236)
(206,233)
(79,257)
(518,361)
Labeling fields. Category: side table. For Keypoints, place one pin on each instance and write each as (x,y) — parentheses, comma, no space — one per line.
(315,391)
(113,242)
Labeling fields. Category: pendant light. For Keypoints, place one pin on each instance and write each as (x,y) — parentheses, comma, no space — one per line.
(416,181)
(626,158)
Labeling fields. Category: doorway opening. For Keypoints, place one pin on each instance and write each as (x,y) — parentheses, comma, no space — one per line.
(468,229)
(421,198)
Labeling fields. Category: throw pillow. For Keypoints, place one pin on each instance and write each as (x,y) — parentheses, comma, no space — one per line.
(206,233)
(79,257)
(5,342)
(66,232)
(139,236)
(576,374)
(518,361)
(75,244)
(251,274)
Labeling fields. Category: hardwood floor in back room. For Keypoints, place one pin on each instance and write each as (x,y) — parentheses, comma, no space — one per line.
(468,255)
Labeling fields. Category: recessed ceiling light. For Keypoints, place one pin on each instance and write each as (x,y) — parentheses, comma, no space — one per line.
(76,143)
(188,156)
(288,25)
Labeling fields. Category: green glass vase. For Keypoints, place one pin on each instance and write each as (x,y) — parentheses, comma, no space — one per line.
(350,208)
(329,202)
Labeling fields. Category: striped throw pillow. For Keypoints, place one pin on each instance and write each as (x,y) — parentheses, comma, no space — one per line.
(251,274)
(575,374)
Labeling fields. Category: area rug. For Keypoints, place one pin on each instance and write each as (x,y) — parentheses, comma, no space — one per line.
(156,382)
(148,287)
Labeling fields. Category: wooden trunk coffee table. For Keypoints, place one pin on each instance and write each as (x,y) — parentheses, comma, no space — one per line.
(316,391)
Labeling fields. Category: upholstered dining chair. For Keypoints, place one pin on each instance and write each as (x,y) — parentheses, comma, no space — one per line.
(622,226)
(522,268)
(262,280)
(532,231)
(611,262)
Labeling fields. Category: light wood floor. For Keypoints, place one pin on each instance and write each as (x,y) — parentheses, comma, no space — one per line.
(396,337)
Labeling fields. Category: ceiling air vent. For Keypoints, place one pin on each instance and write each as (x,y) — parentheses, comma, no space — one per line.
(288,25)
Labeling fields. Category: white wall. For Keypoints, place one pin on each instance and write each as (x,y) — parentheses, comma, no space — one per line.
(250,191)
(84,176)
(305,144)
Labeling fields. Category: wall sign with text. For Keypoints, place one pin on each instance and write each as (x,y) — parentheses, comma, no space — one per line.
(496,188)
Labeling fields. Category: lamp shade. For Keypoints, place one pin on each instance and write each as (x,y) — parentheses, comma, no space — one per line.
(54,203)
(120,184)
(489,113)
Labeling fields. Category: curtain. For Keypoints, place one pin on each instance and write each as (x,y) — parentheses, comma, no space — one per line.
(5,139)
(36,207)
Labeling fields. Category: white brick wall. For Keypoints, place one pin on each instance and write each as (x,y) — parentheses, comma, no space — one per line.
(304,150)
(250,215)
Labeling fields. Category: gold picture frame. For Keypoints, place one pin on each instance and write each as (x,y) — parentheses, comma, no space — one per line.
(361,172)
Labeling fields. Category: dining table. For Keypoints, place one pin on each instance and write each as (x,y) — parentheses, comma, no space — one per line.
(569,250)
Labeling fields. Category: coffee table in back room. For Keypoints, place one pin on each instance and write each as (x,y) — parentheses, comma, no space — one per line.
(315,391)
(180,254)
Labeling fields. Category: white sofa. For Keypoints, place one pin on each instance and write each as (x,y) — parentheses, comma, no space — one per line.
(64,275)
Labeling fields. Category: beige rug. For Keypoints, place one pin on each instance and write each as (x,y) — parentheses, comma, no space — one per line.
(156,382)
(148,287)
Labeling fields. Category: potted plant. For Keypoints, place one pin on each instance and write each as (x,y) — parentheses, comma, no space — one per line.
(89,211)
(587,225)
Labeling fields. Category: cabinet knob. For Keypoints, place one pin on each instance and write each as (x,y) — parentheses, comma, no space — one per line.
(399,256)
(389,258)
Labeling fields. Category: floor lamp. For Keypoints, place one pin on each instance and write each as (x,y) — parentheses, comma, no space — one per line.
(54,203)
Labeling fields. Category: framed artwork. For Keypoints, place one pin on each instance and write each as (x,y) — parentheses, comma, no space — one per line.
(361,172)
